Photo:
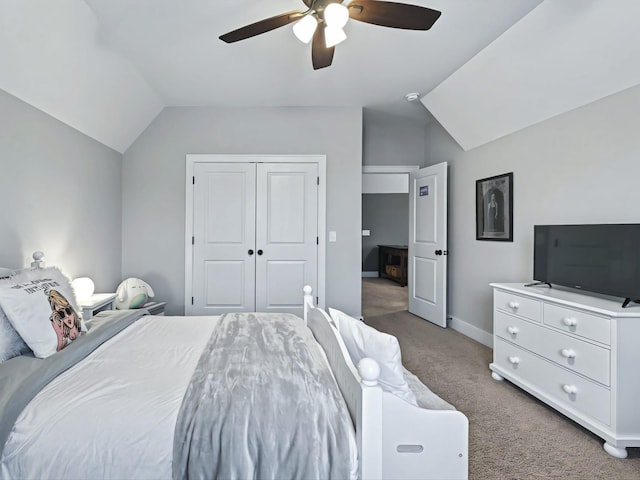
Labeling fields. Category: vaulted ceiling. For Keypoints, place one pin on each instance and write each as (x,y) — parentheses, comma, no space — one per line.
(108,67)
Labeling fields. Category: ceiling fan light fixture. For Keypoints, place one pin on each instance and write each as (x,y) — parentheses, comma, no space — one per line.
(333,36)
(336,15)
(305,28)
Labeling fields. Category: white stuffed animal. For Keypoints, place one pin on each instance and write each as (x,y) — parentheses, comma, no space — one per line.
(132,293)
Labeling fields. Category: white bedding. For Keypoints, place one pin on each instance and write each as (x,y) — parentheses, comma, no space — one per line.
(117,408)
(126,395)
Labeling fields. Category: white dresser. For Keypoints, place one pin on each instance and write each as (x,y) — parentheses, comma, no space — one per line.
(578,353)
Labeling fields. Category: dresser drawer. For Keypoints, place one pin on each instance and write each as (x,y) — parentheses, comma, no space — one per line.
(518,305)
(570,352)
(555,383)
(577,322)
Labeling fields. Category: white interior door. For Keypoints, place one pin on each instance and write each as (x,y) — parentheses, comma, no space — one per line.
(224,197)
(255,236)
(286,235)
(427,278)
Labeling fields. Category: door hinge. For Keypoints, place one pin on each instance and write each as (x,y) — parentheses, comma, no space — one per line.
(317,240)
(317,300)
(191,300)
(193,240)
(194,180)
(318,180)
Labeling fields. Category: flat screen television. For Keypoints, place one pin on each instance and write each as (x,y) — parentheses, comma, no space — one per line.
(599,258)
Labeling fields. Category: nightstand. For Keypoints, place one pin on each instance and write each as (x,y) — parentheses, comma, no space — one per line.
(97,303)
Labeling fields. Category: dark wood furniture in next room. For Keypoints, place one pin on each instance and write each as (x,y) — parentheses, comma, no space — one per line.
(392,263)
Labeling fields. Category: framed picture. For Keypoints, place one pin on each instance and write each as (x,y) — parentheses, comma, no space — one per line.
(494,208)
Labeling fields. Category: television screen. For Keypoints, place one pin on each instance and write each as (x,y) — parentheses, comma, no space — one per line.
(597,258)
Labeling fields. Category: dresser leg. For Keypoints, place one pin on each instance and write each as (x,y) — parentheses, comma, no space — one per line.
(615,451)
(497,377)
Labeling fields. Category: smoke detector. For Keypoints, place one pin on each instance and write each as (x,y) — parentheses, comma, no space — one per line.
(412,97)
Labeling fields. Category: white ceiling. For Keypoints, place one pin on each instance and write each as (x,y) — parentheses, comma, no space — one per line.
(108,67)
(563,55)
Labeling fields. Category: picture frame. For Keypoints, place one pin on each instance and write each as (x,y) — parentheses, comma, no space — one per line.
(494,208)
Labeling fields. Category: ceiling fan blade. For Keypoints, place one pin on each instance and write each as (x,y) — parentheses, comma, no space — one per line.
(392,14)
(321,56)
(262,26)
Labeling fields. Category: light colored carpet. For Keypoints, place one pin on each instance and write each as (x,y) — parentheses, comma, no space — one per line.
(511,434)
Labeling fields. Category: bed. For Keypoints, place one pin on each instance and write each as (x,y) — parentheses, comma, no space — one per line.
(236,396)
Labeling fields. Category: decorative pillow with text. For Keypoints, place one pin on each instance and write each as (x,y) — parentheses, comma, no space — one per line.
(41,306)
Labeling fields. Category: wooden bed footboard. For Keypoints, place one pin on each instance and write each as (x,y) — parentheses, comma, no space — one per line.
(396,440)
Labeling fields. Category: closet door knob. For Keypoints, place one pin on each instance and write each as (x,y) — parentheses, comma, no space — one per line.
(250,252)
(260,252)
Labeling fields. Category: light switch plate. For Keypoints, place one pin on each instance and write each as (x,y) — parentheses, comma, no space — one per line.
(366,233)
(332,236)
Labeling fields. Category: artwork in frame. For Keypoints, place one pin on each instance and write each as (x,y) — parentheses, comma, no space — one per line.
(494,208)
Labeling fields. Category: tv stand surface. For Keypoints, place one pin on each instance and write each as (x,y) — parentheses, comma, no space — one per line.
(536,284)
(576,352)
(627,301)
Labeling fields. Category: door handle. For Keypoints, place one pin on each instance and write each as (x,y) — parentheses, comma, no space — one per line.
(250,252)
(260,252)
(438,252)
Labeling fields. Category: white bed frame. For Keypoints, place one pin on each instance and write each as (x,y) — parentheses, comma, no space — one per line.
(396,440)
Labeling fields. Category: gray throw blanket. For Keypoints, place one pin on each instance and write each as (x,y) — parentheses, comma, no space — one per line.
(262,404)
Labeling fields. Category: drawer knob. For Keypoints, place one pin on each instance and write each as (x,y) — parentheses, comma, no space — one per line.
(512,330)
(514,360)
(570,389)
(513,304)
(568,353)
(569,321)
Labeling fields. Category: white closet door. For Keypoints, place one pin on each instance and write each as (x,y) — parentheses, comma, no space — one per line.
(224,238)
(286,235)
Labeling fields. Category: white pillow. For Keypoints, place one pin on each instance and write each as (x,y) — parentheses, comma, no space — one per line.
(424,396)
(41,306)
(11,344)
(362,341)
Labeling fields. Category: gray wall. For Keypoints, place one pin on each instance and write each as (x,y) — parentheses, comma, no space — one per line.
(387,217)
(580,167)
(392,139)
(153,186)
(388,140)
(60,194)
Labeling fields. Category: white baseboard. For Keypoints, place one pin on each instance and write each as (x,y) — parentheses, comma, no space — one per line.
(471,331)
(370,274)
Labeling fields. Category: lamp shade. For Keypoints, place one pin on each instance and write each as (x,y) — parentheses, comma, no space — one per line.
(333,36)
(83,288)
(336,15)
(305,28)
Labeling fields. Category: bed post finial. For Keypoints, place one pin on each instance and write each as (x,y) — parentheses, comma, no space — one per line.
(307,301)
(369,370)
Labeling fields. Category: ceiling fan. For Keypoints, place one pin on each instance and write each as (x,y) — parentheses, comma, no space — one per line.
(324,19)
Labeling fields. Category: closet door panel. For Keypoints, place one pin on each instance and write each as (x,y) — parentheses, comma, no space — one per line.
(286,234)
(224,234)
